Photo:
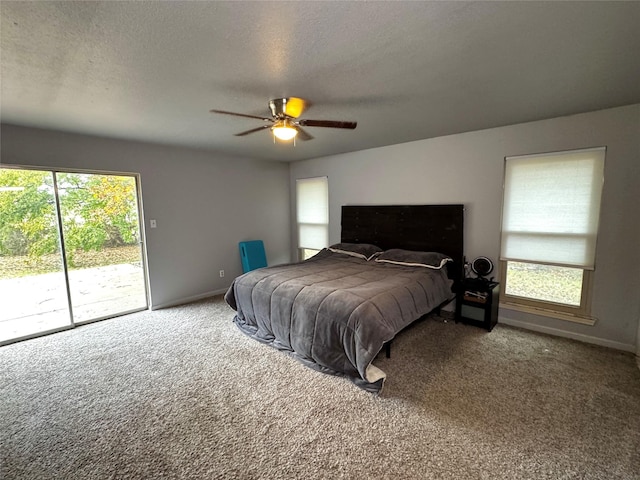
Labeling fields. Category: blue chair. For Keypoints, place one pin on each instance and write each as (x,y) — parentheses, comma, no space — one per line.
(252,255)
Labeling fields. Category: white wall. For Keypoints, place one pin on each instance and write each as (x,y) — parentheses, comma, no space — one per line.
(468,168)
(204,204)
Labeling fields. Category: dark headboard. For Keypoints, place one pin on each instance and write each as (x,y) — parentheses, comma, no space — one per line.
(430,228)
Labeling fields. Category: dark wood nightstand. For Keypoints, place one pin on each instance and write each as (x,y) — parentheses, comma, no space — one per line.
(477,303)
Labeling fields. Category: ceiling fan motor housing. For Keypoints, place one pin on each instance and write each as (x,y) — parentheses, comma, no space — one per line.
(287,107)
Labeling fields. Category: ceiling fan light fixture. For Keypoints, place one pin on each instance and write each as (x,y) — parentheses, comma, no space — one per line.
(284,122)
(284,131)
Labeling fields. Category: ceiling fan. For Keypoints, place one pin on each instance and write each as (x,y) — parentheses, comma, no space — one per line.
(284,122)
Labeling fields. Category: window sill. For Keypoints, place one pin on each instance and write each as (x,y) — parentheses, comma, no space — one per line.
(549,313)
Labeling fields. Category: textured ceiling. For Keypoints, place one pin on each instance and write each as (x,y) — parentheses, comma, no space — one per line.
(404,71)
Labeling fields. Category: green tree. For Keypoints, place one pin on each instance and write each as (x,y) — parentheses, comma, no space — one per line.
(27,213)
(98,211)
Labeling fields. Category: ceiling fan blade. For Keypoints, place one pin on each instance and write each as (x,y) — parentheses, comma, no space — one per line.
(303,134)
(242,134)
(241,115)
(328,123)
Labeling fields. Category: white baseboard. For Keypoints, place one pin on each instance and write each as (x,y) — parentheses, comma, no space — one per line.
(193,298)
(575,336)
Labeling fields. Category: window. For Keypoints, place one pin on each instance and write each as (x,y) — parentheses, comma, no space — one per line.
(312,200)
(550,215)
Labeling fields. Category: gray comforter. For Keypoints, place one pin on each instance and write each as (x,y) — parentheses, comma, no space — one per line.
(334,312)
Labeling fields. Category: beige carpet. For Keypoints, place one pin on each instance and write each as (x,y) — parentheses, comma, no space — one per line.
(181,393)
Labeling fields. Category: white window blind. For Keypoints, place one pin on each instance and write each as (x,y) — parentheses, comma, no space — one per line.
(313,212)
(551,208)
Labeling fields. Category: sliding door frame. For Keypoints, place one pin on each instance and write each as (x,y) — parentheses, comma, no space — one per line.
(142,243)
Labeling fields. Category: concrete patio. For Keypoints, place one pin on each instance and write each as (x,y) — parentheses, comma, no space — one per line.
(38,303)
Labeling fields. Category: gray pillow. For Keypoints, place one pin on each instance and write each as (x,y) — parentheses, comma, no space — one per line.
(360,250)
(410,258)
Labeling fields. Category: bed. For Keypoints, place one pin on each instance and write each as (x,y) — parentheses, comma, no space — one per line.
(337,310)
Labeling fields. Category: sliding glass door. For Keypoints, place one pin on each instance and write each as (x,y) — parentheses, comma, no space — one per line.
(71,250)
(103,244)
(33,291)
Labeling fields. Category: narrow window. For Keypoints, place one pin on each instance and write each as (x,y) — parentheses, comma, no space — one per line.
(312,202)
(550,214)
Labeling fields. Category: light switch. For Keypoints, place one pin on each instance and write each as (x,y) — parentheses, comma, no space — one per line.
(153,223)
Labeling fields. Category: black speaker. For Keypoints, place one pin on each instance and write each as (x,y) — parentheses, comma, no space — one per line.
(482,266)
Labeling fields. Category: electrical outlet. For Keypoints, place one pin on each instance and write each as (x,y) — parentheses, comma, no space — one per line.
(221,273)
